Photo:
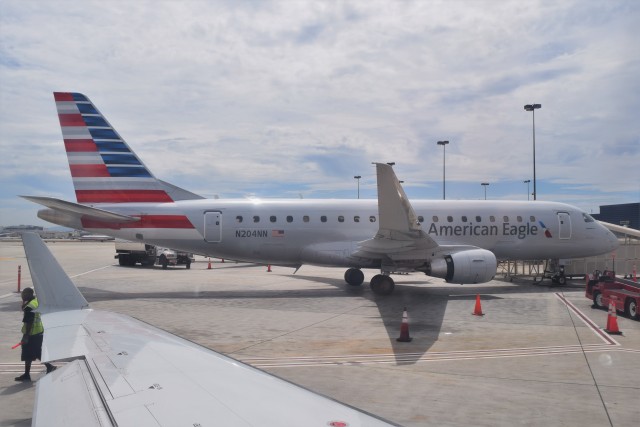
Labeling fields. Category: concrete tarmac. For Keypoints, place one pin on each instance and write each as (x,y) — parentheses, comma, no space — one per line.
(538,357)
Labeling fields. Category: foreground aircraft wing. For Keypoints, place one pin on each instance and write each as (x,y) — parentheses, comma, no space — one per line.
(125,372)
(76,210)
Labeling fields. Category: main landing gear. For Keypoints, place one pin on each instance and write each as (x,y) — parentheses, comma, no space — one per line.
(381,284)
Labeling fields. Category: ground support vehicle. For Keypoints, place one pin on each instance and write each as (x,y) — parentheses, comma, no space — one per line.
(132,253)
(605,288)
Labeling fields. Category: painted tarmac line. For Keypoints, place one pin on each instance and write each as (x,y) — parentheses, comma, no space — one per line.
(427,357)
(588,322)
(8,295)
(91,271)
(458,352)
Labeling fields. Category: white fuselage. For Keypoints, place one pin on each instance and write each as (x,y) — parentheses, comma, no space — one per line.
(327,232)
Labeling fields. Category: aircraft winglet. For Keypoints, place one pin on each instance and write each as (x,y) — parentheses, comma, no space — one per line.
(55,291)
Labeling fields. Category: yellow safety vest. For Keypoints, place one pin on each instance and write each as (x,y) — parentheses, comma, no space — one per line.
(37,327)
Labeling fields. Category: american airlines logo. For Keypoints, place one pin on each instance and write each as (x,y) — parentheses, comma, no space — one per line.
(547,233)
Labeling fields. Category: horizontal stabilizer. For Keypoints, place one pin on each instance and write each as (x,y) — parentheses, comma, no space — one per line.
(54,289)
(77,210)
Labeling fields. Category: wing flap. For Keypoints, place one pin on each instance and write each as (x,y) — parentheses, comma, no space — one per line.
(69,397)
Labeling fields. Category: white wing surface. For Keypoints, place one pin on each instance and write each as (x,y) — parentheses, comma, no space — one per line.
(125,372)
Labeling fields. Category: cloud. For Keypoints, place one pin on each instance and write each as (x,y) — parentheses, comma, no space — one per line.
(277,98)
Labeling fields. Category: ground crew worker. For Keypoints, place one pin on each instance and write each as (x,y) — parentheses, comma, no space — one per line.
(32,334)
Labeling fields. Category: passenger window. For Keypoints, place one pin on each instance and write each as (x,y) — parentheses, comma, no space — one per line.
(492,218)
(372,218)
(505,218)
(256,218)
(340,218)
(464,218)
(420,219)
(272,218)
(532,218)
(450,219)
(356,218)
(305,218)
(478,218)
(323,218)
(435,218)
(519,218)
(239,219)
(289,218)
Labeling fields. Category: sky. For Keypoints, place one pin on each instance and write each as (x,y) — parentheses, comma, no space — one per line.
(290,99)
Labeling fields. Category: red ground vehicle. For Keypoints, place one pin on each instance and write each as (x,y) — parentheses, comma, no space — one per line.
(604,288)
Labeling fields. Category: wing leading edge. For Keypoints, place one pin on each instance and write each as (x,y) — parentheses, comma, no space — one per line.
(126,372)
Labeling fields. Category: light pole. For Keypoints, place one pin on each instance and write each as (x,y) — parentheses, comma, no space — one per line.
(533,108)
(358,178)
(444,149)
(485,185)
(527,182)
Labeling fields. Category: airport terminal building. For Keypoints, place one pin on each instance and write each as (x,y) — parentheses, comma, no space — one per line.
(627,215)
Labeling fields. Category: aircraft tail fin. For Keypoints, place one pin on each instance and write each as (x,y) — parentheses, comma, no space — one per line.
(103,166)
(54,289)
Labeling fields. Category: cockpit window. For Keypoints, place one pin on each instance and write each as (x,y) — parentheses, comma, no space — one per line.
(587,218)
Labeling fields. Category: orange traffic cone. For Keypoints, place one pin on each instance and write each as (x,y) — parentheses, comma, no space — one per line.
(478,310)
(404,328)
(612,321)
(209,266)
(268,268)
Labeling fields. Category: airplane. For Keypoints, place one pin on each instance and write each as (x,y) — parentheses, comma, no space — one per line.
(459,241)
(122,371)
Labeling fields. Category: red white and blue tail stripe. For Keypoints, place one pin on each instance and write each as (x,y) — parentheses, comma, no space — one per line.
(103,167)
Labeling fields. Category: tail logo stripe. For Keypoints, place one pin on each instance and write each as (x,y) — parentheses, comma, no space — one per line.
(103,166)
(122,196)
(78,171)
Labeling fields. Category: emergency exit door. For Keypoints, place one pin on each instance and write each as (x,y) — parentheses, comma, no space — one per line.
(213,226)
(564,225)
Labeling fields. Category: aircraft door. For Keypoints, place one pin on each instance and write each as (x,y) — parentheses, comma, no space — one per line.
(213,227)
(564,225)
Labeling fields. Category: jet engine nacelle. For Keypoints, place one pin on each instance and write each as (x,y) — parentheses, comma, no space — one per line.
(467,266)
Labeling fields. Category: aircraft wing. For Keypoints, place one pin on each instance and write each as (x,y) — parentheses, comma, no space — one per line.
(79,211)
(620,229)
(400,237)
(125,372)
